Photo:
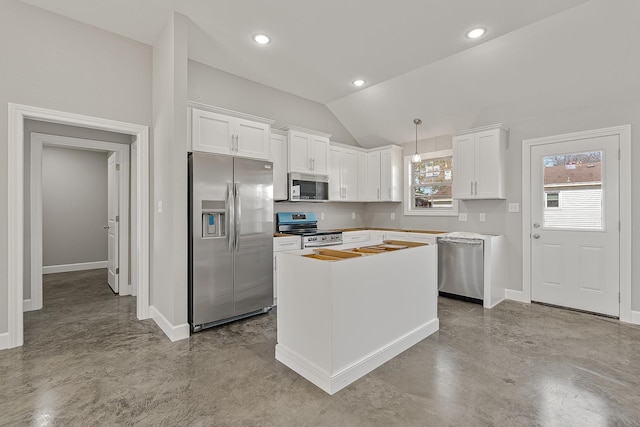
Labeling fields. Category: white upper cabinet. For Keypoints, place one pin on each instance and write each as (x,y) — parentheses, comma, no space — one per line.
(279,159)
(479,162)
(343,174)
(308,151)
(384,174)
(373,176)
(216,130)
(362,176)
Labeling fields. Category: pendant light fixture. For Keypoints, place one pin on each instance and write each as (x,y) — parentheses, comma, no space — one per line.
(416,157)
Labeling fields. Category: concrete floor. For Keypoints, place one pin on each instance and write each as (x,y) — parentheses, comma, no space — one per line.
(87,361)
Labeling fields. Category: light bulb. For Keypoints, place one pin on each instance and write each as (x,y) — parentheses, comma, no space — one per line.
(416,158)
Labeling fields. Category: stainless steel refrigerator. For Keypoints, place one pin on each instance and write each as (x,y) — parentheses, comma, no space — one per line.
(230,239)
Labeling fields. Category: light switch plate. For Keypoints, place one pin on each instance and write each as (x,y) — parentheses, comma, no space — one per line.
(159,206)
(483,217)
(514,207)
(393,215)
(321,215)
(353,215)
(462,217)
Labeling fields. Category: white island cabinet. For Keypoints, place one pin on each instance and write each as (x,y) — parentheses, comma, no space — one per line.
(339,320)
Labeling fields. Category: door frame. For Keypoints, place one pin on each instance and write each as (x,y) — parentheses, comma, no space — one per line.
(17,114)
(40,140)
(624,137)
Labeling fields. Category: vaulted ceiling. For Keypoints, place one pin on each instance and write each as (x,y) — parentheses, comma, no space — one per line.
(413,54)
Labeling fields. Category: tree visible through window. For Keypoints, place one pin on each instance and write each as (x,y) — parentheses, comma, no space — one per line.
(431,184)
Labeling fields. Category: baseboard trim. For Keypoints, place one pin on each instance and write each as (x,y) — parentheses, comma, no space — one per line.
(514,295)
(4,341)
(331,384)
(174,333)
(635,317)
(26,305)
(63,268)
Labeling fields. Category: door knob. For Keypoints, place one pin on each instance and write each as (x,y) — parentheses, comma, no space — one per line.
(106,227)
(536,236)
(536,225)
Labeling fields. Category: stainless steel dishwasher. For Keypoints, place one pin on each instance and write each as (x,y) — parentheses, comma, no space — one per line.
(461,268)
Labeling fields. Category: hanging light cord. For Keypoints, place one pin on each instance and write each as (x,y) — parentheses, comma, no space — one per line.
(416,157)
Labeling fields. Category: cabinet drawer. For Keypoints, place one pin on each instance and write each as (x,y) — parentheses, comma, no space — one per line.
(286,244)
(355,237)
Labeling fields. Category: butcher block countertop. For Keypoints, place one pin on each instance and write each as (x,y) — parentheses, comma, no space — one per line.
(345,230)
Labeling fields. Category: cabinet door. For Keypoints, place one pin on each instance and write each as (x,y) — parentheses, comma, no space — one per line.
(211,132)
(488,168)
(252,139)
(386,179)
(373,175)
(464,163)
(279,159)
(335,184)
(299,152)
(362,176)
(320,155)
(349,174)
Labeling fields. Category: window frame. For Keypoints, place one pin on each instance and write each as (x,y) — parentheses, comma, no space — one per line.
(408,172)
(546,199)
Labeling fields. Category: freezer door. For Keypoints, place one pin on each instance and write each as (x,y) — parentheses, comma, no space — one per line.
(254,235)
(211,288)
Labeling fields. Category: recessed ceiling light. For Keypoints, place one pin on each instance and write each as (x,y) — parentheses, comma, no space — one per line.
(359,82)
(262,39)
(475,33)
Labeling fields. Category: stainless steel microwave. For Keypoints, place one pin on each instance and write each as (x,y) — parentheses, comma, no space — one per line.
(305,187)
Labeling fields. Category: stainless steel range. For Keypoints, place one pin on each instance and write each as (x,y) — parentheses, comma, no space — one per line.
(305,224)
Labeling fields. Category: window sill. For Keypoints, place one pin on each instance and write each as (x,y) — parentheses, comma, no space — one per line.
(431,213)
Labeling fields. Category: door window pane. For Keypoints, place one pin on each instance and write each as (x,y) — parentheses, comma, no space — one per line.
(573,190)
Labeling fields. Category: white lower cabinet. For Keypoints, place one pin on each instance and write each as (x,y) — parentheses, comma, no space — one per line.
(282,244)
(356,236)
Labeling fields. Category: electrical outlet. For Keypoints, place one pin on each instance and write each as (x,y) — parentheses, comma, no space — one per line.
(462,217)
(353,215)
(393,216)
(482,217)
(321,215)
(514,207)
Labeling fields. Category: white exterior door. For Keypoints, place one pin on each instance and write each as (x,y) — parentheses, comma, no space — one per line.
(575,252)
(113,224)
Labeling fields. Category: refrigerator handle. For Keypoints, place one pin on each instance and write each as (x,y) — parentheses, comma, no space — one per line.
(237,215)
(230,214)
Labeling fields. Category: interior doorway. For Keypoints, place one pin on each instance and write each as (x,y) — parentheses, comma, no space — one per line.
(577,219)
(17,116)
(115,224)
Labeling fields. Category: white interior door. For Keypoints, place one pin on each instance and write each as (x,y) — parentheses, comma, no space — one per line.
(575,252)
(113,223)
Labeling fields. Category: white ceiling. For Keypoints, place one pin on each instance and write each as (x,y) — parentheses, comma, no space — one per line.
(412,53)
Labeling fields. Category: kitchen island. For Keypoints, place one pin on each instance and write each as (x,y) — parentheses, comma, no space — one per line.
(340,319)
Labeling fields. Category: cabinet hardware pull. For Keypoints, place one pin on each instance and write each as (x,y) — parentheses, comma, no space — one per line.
(476,188)
(471,187)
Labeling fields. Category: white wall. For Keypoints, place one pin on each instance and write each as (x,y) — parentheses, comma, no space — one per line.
(53,62)
(336,214)
(169,171)
(74,206)
(215,87)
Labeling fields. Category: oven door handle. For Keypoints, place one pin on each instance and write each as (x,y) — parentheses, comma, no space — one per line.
(317,245)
